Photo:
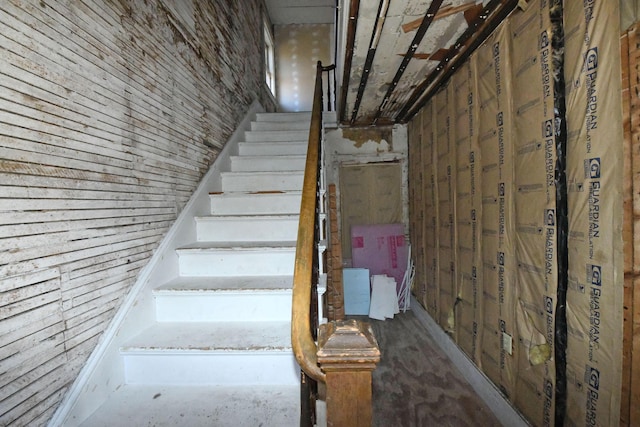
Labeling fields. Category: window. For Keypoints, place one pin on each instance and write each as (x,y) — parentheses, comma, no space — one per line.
(269,58)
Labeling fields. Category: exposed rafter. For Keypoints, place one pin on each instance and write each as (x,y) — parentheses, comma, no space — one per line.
(352,26)
(384,89)
(491,16)
(422,30)
(371,53)
(442,13)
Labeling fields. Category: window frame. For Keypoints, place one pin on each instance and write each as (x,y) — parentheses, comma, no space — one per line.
(269,57)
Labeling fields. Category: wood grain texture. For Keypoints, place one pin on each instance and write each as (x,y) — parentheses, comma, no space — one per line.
(335,288)
(630,387)
(111,112)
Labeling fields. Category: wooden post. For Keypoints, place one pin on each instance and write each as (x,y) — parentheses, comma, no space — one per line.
(348,353)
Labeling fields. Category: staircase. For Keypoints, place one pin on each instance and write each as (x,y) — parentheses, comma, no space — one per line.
(219,352)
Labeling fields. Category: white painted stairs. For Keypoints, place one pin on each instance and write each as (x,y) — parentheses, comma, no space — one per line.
(219,353)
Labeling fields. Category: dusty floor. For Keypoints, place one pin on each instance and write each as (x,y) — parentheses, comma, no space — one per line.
(415,384)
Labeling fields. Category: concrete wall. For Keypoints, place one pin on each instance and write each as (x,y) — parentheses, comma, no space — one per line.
(111,112)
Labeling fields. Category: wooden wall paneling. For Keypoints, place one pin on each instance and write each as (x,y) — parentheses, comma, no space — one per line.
(32,333)
(630,47)
(627,233)
(634,292)
(110,118)
(634,398)
(56,74)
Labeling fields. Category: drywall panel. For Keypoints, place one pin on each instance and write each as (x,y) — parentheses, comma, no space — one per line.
(468,212)
(535,202)
(594,174)
(430,194)
(445,181)
(299,47)
(496,154)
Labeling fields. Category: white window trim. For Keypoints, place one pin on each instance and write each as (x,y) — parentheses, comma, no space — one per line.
(269,58)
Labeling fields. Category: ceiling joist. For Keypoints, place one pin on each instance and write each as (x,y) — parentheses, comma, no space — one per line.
(491,16)
(438,55)
(372,97)
(352,26)
(443,13)
(383,7)
(424,26)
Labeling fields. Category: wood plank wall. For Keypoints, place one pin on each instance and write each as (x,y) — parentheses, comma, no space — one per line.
(110,114)
(630,55)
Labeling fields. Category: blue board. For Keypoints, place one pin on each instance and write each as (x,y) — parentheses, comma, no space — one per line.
(357,294)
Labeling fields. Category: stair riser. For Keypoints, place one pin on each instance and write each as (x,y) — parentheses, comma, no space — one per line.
(267,163)
(284,117)
(239,181)
(272,148)
(249,229)
(280,126)
(224,306)
(278,136)
(236,263)
(250,204)
(232,368)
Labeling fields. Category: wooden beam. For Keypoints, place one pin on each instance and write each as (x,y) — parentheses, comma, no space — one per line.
(471,14)
(383,8)
(425,23)
(335,292)
(442,13)
(438,55)
(354,7)
(630,410)
(627,229)
(492,15)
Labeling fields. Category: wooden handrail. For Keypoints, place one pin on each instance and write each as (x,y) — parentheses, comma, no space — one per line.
(304,345)
(348,350)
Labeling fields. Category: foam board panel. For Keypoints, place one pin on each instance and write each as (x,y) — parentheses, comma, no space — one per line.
(381,248)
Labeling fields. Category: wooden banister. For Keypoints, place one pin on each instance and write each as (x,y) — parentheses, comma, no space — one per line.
(348,350)
(302,340)
(348,354)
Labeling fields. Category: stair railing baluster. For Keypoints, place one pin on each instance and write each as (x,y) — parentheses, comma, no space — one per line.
(348,350)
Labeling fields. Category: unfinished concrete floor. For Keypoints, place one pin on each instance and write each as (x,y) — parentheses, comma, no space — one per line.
(416,384)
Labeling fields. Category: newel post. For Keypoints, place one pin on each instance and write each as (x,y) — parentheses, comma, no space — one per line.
(348,353)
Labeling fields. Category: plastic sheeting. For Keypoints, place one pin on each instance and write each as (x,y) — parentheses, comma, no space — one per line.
(497,280)
(535,207)
(495,130)
(594,174)
(431,209)
(468,212)
(445,181)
